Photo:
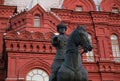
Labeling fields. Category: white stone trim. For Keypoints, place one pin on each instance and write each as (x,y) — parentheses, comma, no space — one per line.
(14,78)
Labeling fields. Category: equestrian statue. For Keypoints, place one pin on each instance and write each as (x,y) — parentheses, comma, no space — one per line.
(71,68)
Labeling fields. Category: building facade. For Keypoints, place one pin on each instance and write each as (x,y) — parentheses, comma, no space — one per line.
(26,53)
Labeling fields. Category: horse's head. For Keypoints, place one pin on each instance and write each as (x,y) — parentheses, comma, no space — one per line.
(82,38)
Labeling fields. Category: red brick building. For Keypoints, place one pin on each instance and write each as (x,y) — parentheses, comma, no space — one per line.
(26,53)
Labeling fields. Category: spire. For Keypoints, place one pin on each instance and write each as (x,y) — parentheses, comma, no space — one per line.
(61,3)
(31,4)
(97,3)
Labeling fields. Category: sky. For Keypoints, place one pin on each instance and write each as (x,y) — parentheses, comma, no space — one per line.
(45,4)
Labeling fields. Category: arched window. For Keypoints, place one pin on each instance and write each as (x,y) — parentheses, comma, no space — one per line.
(37,75)
(90,55)
(36,21)
(115,48)
(115,10)
(78,8)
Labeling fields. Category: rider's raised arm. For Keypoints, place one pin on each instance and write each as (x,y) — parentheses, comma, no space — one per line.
(55,41)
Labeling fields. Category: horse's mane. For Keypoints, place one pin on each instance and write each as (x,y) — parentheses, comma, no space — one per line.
(76,31)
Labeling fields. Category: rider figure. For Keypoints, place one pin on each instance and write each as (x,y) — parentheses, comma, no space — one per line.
(59,42)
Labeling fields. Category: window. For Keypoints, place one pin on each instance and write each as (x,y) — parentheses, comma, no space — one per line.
(115,10)
(37,75)
(78,8)
(115,48)
(36,21)
(90,55)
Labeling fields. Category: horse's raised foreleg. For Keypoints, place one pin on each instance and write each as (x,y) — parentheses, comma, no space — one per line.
(53,76)
(65,74)
(84,74)
(81,74)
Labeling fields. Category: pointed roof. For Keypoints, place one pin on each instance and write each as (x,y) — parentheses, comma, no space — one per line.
(45,4)
(97,2)
(31,4)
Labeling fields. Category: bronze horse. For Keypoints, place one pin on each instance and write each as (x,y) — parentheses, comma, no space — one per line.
(72,69)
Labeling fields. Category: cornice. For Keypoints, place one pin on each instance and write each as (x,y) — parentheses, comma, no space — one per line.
(26,35)
(29,42)
(7,11)
(3,7)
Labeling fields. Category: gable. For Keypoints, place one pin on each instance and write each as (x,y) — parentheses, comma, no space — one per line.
(87,5)
(37,9)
